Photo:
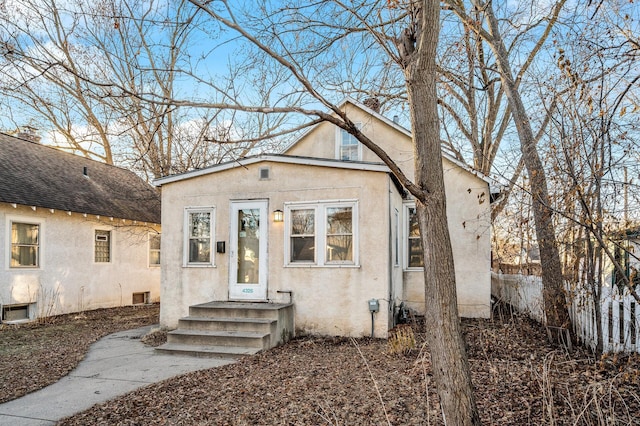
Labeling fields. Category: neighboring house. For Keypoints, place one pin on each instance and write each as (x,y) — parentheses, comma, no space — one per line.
(75,234)
(324,226)
(625,247)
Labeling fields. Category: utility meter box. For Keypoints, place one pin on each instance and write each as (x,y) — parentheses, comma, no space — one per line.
(374,305)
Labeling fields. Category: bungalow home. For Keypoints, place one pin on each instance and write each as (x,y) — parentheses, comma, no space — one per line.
(75,234)
(323,228)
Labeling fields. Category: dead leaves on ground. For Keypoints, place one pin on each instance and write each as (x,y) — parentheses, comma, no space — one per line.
(519,380)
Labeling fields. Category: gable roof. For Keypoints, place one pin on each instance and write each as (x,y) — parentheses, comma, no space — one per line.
(275,158)
(397,127)
(42,176)
(315,161)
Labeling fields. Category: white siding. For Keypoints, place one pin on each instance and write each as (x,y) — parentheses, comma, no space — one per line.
(67,279)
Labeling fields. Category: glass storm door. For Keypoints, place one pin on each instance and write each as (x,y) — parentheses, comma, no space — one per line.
(248,254)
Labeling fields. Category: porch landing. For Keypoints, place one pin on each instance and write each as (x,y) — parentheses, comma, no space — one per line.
(230,329)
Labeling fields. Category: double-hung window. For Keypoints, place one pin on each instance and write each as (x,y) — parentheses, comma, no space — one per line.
(339,234)
(322,233)
(348,147)
(303,235)
(199,228)
(25,245)
(413,244)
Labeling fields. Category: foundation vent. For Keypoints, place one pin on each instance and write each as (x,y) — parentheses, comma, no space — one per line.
(141,298)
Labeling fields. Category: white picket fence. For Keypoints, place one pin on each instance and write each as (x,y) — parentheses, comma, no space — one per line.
(620,325)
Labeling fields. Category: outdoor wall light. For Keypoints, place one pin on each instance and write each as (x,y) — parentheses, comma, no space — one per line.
(278,215)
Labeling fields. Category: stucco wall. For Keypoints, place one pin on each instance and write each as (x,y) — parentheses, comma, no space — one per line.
(468,210)
(328,299)
(469,218)
(68,279)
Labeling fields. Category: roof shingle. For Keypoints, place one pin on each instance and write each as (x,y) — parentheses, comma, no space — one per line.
(32,174)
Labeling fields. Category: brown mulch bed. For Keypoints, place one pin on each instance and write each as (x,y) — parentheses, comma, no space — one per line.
(37,354)
(519,380)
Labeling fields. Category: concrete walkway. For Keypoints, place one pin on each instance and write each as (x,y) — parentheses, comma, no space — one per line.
(115,365)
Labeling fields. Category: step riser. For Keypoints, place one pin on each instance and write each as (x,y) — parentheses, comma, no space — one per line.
(185,324)
(198,354)
(203,312)
(192,339)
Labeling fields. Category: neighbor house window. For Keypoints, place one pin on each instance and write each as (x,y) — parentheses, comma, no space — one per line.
(414,257)
(102,248)
(322,233)
(199,236)
(25,245)
(154,249)
(348,147)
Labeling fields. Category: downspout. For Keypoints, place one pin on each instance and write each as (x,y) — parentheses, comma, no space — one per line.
(391,217)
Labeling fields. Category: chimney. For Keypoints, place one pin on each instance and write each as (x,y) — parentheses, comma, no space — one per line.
(29,133)
(372,103)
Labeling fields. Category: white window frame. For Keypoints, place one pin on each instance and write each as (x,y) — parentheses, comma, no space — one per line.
(320,211)
(339,137)
(186,237)
(27,221)
(396,238)
(405,238)
(151,235)
(111,245)
(289,238)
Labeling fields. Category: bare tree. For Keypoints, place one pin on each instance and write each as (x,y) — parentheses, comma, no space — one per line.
(54,53)
(308,39)
(557,314)
(591,145)
(35,37)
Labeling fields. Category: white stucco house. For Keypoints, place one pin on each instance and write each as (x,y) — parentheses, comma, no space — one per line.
(323,227)
(75,234)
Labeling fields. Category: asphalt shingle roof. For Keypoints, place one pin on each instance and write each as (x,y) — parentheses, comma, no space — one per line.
(32,174)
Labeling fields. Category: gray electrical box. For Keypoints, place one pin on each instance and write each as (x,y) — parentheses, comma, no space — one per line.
(374,305)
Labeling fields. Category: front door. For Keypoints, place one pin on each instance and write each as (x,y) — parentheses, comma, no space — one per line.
(248,251)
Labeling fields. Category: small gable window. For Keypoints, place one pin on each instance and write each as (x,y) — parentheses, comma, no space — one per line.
(348,148)
(102,248)
(25,245)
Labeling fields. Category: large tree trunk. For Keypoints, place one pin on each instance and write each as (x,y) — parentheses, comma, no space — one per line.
(555,303)
(444,334)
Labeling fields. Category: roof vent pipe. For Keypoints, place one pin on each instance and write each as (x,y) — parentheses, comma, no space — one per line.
(396,119)
(85,171)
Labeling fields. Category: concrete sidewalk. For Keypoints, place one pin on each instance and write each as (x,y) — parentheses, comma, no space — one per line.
(117,364)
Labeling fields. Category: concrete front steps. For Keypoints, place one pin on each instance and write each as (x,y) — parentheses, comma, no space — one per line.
(230,329)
